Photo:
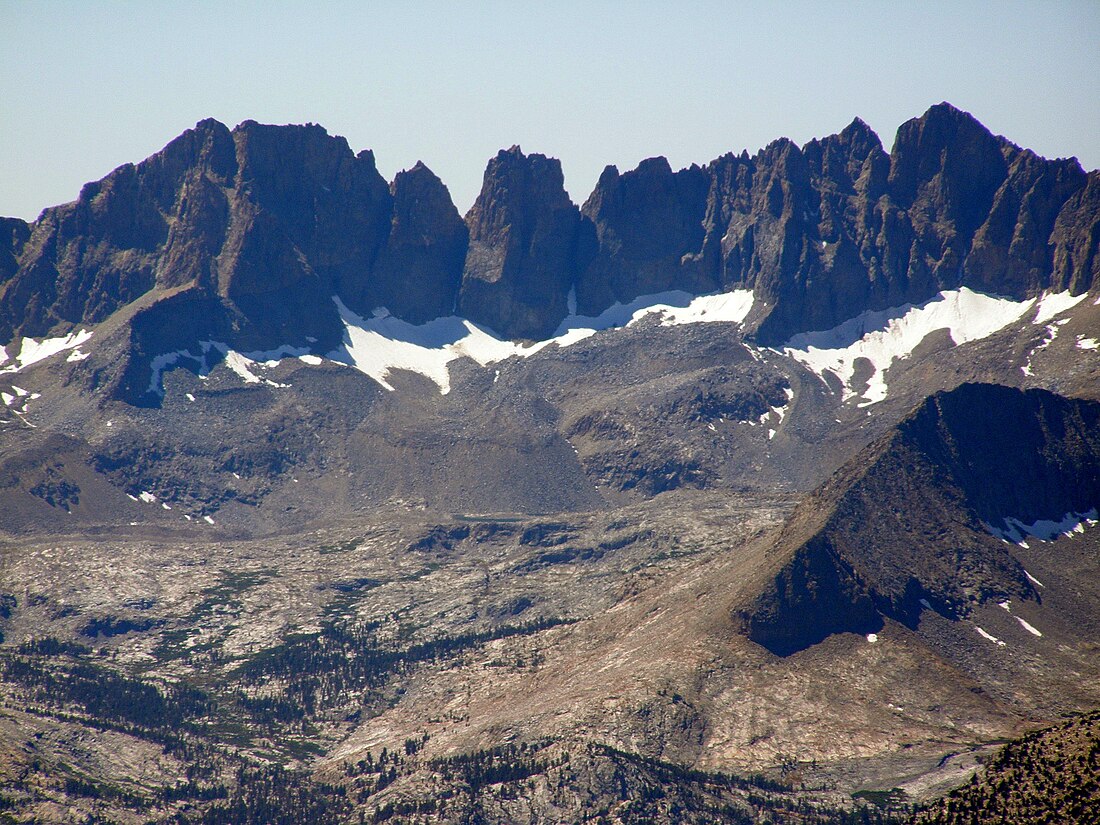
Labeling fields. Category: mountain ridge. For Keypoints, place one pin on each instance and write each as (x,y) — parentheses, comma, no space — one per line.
(264,216)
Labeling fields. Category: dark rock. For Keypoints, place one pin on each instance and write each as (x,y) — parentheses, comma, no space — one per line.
(86,259)
(906,519)
(1076,240)
(332,205)
(650,228)
(814,596)
(109,626)
(419,271)
(527,244)
(14,233)
(275,220)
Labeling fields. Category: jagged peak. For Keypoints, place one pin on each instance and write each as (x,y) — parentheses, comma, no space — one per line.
(942,122)
(210,124)
(859,130)
(418,171)
(254,125)
(655,165)
(609,174)
(780,147)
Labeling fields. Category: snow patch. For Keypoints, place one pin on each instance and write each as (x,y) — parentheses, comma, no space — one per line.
(1029,628)
(378,345)
(1052,333)
(241,363)
(1033,580)
(1087,343)
(872,637)
(147,497)
(1070,524)
(989,636)
(883,337)
(208,520)
(31,351)
(1055,303)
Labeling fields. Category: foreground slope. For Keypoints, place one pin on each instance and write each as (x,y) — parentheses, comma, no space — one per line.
(1046,776)
(602,656)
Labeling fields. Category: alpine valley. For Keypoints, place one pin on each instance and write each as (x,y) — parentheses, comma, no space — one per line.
(764,491)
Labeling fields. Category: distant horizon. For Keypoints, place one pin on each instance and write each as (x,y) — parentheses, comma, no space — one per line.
(85,88)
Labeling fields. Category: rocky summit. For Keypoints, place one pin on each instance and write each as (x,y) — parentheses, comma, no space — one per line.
(764,490)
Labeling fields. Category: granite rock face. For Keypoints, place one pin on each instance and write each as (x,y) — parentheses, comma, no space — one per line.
(13,235)
(264,218)
(528,242)
(823,232)
(1076,239)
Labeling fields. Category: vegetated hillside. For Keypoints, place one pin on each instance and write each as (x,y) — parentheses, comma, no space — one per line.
(1051,775)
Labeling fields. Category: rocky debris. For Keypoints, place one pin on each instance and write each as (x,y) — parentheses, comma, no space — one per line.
(528,241)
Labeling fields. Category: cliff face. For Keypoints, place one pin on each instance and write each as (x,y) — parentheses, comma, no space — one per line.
(527,244)
(419,270)
(650,225)
(271,218)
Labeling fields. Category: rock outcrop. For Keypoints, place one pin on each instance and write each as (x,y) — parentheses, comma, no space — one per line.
(419,270)
(13,235)
(907,523)
(650,226)
(1076,239)
(528,243)
(837,227)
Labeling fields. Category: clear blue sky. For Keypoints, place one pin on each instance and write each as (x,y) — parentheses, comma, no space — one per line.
(86,86)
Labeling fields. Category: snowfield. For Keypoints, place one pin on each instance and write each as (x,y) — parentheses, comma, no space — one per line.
(381,344)
(31,351)
(888,335)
